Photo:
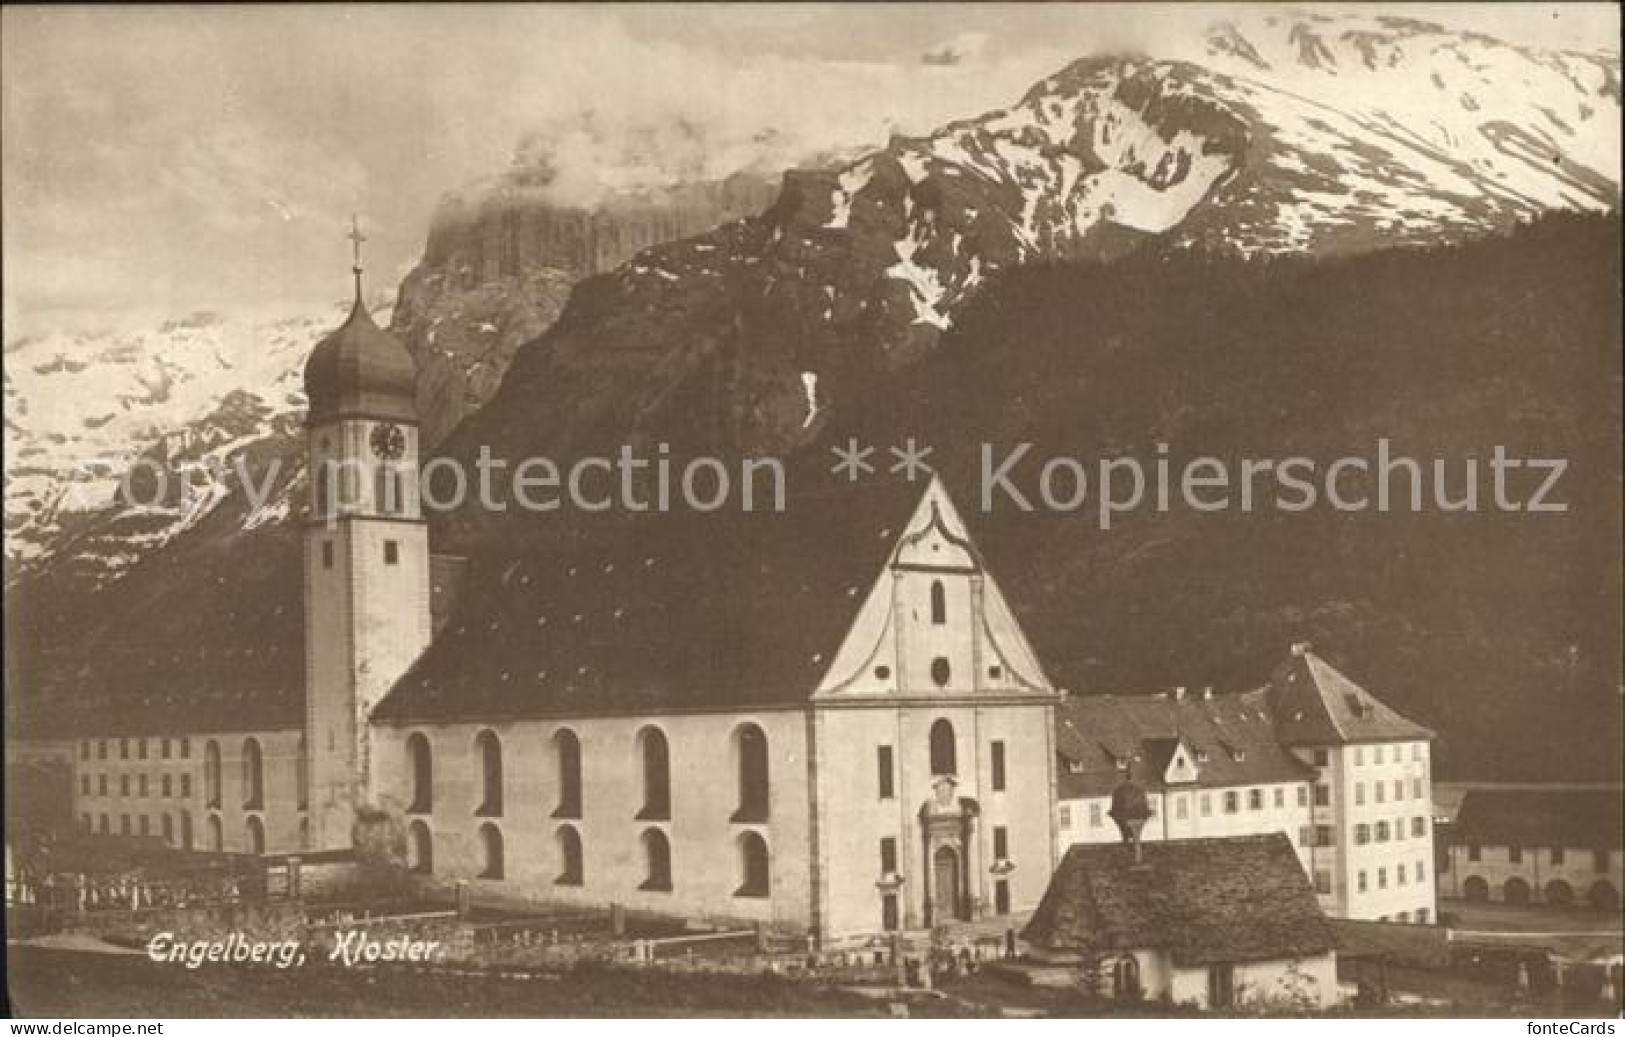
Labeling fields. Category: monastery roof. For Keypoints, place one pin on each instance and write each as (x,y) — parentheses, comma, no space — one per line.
(1568,818)
(1316,705)
(1232,738)
(1243,898)
(674,612)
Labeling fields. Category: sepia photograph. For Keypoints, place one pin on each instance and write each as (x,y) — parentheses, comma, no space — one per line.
(877,511)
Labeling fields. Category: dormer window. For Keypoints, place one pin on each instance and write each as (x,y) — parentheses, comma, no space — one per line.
(1201,756)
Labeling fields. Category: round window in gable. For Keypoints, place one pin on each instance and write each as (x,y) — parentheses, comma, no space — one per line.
(995,672)
(940,671)
(883,672)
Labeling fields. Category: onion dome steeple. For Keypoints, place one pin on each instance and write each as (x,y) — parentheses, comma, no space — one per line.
(360,370)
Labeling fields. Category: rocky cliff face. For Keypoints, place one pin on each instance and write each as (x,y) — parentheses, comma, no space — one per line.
(501,259)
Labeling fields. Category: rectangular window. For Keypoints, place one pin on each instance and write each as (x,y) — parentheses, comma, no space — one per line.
(84,750)
(1474,853)
(124,748)
(1303,795)
(124,784)
(1515,854)
(169,786)
(327,554)
(1094,815)
(141,748)
(1001,843)
(1321,758)
(1066,815)
(1419,827)
(1362,834)
(1001,897)
(883,766)
(141,784)
(888,912)
(1378,752)
(1359,793)
(1280,797)
(1399,789)
(1305,834)
(1255,799)
(1361,878)
(102,824)
(186,786)
(1323,835)
(392,552)
(1323,795)
(1399,874)
(1232,802)
(101,785)
(1207,805)
(101,749)
(124,824)
(1323,882)
(1416,788)
(145,825)
(1421,870)
(186,748)
(166,747)
(1181,807)
(998,766)
(1359,756)
(84,784)
(888,856)
(1378,788)
(1382,878)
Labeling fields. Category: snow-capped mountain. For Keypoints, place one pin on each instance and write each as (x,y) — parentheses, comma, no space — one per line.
(187,396)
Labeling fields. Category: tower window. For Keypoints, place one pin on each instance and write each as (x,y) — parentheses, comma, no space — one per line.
(998,766)
(939,603)
(888,855)
(327,554)
(392,552)
(941,673)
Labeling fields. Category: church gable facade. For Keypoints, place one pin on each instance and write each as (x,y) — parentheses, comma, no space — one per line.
(898,789)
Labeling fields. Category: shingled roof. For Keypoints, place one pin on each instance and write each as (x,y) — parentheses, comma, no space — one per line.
(1567,818)
(1316,705)
(670,612)
(1244,898)
(1233,737)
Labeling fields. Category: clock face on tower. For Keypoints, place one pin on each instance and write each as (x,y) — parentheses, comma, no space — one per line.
(388,441)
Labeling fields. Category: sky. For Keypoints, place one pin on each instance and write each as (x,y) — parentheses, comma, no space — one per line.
(156,161)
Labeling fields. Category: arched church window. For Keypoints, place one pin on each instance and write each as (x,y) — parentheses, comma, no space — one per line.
(656,759)
(939,603)
(419,848)
(944,755)
(253,775)
(569,841)
(216,835)
(421,768)
(211,773)
(750,748)
(754,867)
(490,851)
(186,831)
(657,861)
(256,836)
(489,751)
(568,748)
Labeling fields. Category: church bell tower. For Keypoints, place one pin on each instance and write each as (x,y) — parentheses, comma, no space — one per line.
(367,581)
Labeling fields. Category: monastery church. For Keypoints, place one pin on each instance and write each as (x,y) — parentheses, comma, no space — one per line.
(826,720)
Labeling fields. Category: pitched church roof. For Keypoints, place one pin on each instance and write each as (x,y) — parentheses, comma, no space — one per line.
(661,612)
(1231,738)
(1567,818)
(1314,704)
(1243,898)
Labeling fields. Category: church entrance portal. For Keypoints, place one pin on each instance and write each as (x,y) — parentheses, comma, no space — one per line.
(945,884)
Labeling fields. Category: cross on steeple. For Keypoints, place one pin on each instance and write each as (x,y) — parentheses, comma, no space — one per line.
(356,238)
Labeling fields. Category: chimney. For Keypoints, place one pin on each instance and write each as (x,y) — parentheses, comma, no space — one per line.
(1300,647)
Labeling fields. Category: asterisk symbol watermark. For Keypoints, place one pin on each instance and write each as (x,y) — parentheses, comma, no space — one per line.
(911,459)
(853,461)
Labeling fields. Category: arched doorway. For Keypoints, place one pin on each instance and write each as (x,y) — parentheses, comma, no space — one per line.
(945,894)
(1475,888)
(1516,891)
(1559,893)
